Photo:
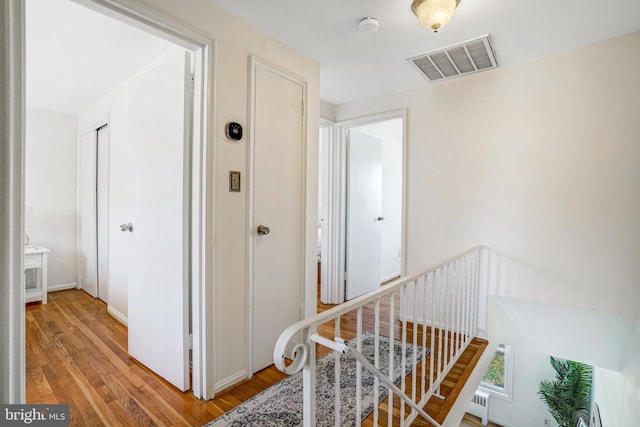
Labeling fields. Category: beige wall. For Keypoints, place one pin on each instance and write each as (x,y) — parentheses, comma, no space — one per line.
(538,160)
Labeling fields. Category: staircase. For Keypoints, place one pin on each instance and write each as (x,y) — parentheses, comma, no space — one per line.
(435,321)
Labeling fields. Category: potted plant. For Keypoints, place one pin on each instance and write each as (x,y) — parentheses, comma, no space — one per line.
(568,396)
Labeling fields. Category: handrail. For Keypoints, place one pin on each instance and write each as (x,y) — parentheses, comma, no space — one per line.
(279,352)
(441,309)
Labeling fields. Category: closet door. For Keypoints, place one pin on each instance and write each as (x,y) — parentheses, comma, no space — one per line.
(87,205)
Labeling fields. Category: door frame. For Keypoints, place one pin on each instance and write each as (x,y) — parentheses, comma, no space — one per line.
(12,208)
(328,255)
(254,63)
(103,163)
(93,130)
(200,205)
(334,288)
(99,123)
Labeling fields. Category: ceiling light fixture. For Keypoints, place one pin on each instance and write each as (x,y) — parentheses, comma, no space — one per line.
(434,14)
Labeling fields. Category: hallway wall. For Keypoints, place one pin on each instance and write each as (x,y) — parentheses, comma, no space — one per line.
(50,190)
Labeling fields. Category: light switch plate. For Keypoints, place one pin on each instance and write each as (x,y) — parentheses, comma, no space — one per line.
(234,181)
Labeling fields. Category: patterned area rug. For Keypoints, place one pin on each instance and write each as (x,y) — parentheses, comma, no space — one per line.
(281,404)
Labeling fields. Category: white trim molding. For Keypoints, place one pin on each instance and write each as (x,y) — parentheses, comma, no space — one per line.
(118,316)
(331,288)
(62,286)
(12,128)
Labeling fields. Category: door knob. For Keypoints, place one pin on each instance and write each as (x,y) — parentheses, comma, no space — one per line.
(380,218)
(126,227)
(262,230)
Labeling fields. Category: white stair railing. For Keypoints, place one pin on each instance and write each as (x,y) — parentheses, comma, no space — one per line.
(404,337)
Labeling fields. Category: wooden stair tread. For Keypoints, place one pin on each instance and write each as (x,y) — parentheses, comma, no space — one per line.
(450,388)
(454,382)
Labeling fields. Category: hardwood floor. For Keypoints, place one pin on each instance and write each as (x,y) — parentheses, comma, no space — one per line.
(472,421)
(77,354)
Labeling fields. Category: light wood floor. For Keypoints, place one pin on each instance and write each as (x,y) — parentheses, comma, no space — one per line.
(471,421)
(77,354)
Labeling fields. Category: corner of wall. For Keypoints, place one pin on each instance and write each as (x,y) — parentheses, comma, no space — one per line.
(327,110)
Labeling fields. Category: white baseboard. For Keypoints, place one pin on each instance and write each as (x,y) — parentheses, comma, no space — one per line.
(118,316)
(389,277)
(230,380)
(62,286)
(499,422)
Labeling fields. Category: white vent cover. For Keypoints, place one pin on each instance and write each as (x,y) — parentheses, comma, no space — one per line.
(457,60)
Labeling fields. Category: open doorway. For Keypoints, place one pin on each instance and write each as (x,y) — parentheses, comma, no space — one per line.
(361,233)
(179,163)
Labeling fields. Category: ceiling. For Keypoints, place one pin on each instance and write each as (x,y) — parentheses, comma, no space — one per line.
(356,65)
(76,56)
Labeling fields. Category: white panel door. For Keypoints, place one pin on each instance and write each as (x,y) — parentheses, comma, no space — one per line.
(102,210)
(87,205)
(279,205)
(364,209)
(158,307)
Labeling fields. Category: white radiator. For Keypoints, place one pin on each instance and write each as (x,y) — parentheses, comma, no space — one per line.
(480,406)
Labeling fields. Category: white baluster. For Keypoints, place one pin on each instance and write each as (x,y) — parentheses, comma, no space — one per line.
(309,382)
(359,367)
(433,330)
(391,345)
(376,361)
(414,361)
(403,366)
(337,377)
(423,385)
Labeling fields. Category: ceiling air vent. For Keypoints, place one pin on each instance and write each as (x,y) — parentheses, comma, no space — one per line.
(458,60)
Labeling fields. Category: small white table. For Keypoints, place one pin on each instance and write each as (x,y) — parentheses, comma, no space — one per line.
(35,257)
